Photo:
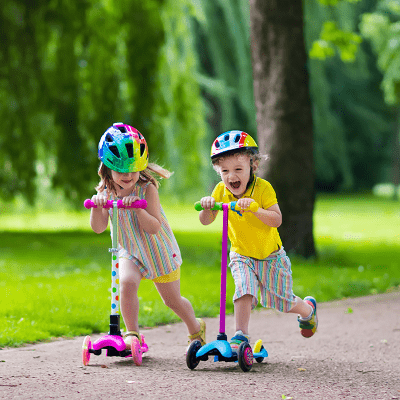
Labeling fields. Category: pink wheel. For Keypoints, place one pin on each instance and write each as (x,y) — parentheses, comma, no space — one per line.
(145,347)
(86,346)
(136,350)
(245,357)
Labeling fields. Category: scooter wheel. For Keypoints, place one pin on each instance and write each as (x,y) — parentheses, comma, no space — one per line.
(86,346)
(257,349)
(136,350)
(191,361)
(245,356)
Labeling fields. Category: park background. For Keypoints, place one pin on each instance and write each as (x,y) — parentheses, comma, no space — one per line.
(182,72)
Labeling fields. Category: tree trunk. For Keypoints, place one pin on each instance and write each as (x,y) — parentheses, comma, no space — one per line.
(284,120)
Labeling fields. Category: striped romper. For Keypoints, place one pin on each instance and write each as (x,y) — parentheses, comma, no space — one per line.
(155,255)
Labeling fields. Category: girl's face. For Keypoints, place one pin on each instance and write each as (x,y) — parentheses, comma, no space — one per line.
(125,181)
(235,173)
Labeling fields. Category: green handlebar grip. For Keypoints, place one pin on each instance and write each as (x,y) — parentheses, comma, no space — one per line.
(217,206)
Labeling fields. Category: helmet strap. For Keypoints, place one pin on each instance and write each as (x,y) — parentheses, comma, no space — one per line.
(251,180)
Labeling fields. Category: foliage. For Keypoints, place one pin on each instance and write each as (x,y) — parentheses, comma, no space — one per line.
(59,285)
(225,74)
(331,38)
(336,2)
(350,115)
(71,69)
(68,70)
(382,29)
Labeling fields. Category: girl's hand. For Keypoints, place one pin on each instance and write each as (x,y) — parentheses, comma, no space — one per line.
(244,203)
(99,200)
(128,200)
(207,202)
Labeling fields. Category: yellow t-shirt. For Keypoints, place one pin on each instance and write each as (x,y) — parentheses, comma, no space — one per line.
(248,235)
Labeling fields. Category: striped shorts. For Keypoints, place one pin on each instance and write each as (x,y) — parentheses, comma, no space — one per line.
(272,276)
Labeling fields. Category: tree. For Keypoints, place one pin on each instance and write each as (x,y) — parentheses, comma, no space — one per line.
(70,69)
(284,119)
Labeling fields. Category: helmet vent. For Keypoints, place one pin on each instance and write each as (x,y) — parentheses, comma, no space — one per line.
(237,138)
(109,138)
(142,149)
(115,151)
(122,129)
(129,149)
(226,138)
(217,144)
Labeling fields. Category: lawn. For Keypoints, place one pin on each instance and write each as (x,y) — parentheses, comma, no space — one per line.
(55,272)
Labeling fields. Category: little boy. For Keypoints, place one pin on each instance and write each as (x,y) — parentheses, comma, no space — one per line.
(257,259)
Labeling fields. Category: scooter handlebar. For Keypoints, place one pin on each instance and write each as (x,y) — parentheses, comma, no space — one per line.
(218,206)
(137,204)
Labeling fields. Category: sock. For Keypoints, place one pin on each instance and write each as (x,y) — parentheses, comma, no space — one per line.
(309,317)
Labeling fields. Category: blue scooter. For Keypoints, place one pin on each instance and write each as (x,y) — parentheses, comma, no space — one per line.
(220,348)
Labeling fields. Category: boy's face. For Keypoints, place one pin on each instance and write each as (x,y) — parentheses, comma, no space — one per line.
(235,173)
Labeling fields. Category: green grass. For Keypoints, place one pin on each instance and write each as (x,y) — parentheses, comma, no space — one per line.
(55,272)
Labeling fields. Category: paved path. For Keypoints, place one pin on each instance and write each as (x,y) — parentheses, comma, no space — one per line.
(354,355)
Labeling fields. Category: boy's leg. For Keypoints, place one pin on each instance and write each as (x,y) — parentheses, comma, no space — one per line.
(302,308)
(307,310)
(242,308)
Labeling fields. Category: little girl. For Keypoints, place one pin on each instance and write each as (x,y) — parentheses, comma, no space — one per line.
(147,246)
(258,261)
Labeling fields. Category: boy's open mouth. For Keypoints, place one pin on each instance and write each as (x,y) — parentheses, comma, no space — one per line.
(235,185)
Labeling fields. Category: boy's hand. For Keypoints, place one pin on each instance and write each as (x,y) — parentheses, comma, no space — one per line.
(207,202)
(244,203)
(99,200)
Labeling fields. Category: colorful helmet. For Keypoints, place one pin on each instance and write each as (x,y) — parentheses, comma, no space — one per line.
(232,140)
(123,148)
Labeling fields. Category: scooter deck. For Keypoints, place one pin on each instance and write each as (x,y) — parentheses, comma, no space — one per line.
(223,352)
(115,345)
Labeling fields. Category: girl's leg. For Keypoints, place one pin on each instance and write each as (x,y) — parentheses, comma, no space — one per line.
(242,308)
(129,277)
(170,292)
(301,308)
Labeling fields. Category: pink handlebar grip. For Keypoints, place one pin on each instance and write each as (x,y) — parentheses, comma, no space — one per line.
(137,204)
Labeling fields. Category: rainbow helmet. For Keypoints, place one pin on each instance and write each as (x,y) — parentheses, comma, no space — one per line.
(232,140)
(123,148)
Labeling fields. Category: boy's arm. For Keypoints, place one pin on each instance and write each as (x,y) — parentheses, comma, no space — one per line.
(207,216)
(272,216)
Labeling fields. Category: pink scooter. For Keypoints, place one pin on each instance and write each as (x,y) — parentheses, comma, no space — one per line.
(113,343)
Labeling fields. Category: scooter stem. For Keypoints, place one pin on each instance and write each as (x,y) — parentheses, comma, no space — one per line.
(224,266)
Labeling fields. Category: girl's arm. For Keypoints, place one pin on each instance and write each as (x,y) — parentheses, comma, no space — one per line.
(149,218)
(272,216)
(99,215)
